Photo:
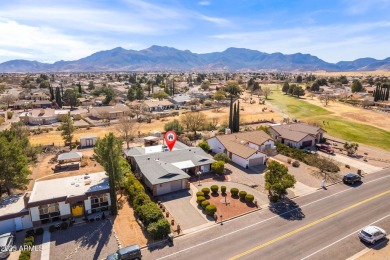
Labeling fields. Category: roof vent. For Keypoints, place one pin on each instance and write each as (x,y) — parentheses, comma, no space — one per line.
(77,185)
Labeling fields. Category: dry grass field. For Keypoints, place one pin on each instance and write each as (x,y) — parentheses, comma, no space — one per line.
(352,73)
(249,112)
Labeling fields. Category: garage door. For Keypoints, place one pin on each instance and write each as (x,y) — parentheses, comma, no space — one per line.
(255,161)
(307,143)
(7,226)
(176,185)
(168,187)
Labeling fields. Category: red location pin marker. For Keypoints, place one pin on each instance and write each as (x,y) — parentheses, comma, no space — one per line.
(170,139)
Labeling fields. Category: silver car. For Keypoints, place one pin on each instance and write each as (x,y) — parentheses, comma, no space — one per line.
(6,244)
(371,234)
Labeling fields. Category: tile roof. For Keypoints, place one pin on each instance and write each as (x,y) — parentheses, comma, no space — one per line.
(296,132)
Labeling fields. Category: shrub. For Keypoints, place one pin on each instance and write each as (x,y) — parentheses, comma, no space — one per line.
(140,200)
(52,229)
(39,231)
(205,203)
(242,194)
(223,189)
(205,146)
(218,167)
(64,225)
(9,114)
(199,193)
(222,157)
(289,160)
(25,255)
(206,191)
(234,191)
(150,213)
(295,164)
(200,199)
(249,198)
(159,229)
(214,188)
(210,210)
(29,240)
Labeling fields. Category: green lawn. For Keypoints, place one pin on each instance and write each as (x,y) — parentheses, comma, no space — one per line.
(338,126)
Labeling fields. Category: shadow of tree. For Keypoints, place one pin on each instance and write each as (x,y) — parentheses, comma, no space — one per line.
(330,177)
(287,209)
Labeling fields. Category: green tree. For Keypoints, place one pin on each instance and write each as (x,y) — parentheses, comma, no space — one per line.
(159,229)
(109,93)
(194,121)
(278,180)
(139,93)
(285,87)
(299,79)
(70,98)
(108,152)
(160,95)
(174,125)
(14,161)
(44,84)
(58,97)
(80,90)
(218,167)
(298,91)
(205,85)
(219,95)
(131,94)
(356,86)
(91,86)
(67,128)
(233,90)
(205,146)
(266,92)
(315,87)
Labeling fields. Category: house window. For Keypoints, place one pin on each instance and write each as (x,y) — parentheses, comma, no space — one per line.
(49,213)
(99,203)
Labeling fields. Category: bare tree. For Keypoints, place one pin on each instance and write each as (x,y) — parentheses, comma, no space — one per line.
(128,128)
(327,167)
(7,99)
(194,121)
(104,116)
(266,91)
(326,98)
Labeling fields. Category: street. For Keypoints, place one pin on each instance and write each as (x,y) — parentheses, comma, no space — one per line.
(321,225)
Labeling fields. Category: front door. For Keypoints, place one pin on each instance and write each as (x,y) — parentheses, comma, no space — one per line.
(77,209)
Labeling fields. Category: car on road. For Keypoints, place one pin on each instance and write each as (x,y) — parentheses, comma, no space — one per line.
(351,178)
(132,252)
(371,234)
(325,148)
(6,244)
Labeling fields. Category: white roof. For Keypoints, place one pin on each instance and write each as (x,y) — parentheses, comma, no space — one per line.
(184,164)
(69,156)
(12,204)
(69,186)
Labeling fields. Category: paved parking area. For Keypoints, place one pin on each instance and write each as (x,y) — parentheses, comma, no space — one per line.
(179,206)
(85,241)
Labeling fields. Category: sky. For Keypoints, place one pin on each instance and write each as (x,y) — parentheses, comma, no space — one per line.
(49,31)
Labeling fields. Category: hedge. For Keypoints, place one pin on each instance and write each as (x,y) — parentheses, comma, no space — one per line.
(242,194)
(199,193)
(140,200)
(200,199)
(214,188)
(249,198)
(206,191)
(205,203)
(223,189)
(150,213)
(210,210)
(28,242)
(234,191)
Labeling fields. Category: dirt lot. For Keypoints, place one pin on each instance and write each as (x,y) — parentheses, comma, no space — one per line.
(235,208)
(353,73)
(250,112)
(358,114)
(43,170)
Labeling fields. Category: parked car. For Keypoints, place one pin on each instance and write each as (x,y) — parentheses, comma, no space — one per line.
(325,148)
(351,178)
(132,252)
(6,244)
(371,234)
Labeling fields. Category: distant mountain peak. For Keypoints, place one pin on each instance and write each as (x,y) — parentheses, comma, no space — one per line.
(164,58)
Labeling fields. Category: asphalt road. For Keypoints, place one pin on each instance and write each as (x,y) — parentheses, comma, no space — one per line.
(322,225)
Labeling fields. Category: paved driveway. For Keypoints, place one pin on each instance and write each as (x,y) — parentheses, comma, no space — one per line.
(85,241)
(365,167)
(179,206)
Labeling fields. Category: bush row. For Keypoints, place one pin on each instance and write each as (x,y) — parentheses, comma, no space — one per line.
(25,254)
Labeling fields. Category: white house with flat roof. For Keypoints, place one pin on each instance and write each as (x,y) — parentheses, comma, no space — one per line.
(59,199)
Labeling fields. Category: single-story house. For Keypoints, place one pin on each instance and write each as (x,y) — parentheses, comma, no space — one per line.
(22,104)
(111,112)
(297,134)
(76,196)
(13,214)
(246,149)
(180,99)
(88,140)
(43,116)
(157,105)
(164,171)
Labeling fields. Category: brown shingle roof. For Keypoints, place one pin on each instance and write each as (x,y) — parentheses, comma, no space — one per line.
(237,143)
(298,127)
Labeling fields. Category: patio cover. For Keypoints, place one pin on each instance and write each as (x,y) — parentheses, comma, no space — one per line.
(69,156)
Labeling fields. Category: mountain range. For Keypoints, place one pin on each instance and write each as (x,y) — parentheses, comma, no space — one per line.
(158,58)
